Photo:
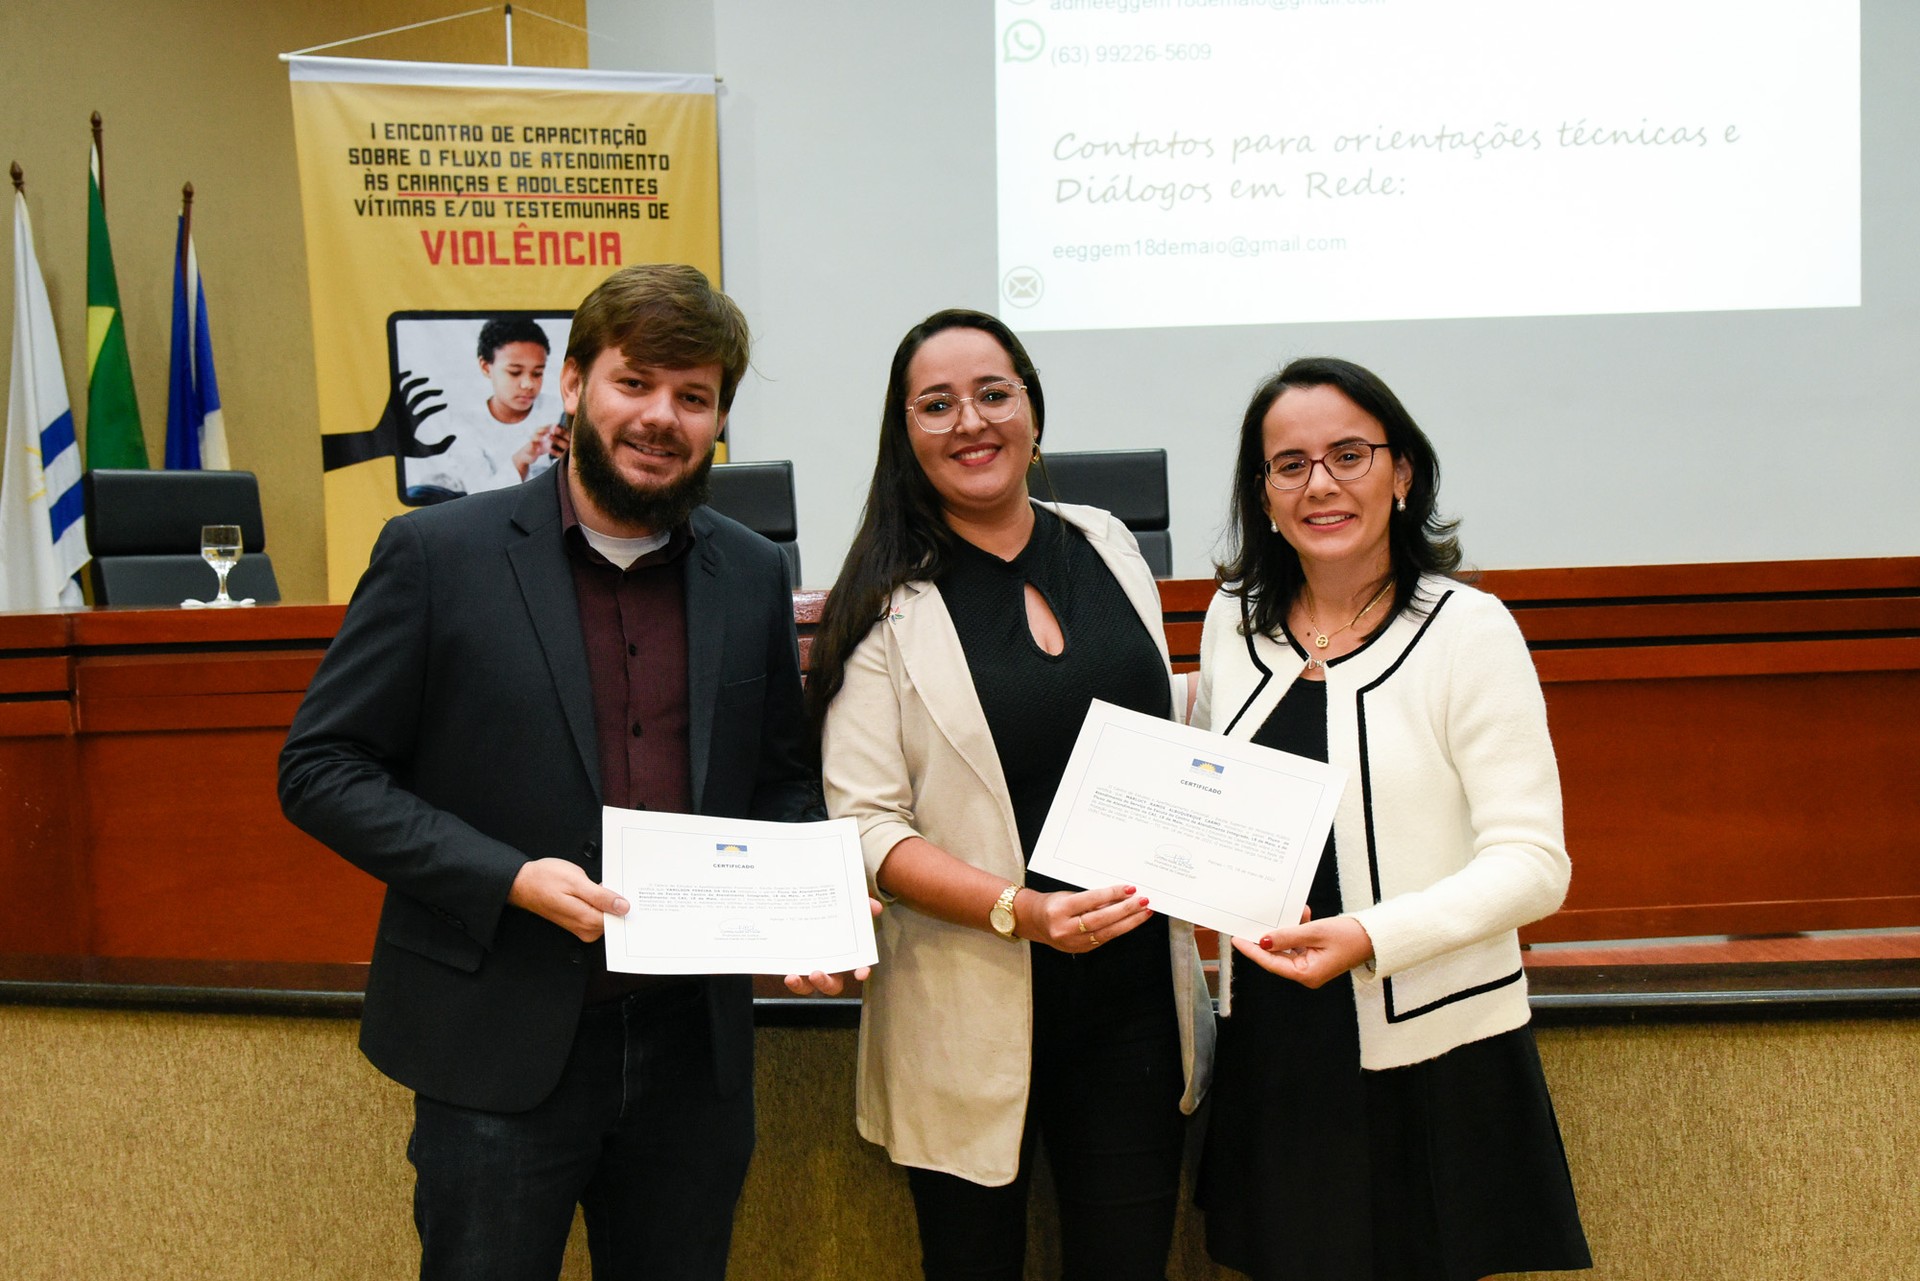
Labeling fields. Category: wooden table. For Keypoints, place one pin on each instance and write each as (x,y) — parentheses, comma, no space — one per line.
(1739,747)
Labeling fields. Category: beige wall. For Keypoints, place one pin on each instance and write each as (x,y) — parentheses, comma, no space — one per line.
(153,1145)
(193,90)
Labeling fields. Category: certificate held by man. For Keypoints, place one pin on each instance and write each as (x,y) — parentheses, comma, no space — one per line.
(734,896)
(1212,830)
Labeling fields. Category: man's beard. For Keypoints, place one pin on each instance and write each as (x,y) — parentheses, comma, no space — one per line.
(659,509)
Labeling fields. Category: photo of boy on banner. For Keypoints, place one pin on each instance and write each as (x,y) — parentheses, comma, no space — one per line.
(451,433)
(497,429)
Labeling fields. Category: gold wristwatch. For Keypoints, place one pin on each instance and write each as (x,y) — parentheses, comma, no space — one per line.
(1001,914)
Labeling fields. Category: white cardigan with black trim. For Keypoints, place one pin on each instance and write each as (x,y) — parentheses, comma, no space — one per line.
(1448,837)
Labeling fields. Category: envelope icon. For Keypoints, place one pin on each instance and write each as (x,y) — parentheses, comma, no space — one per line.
(1023,286)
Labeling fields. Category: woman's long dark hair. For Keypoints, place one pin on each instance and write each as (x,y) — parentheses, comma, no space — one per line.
(1262,568)
(903,534)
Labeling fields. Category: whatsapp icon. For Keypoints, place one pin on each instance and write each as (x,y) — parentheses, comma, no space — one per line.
(1022,41)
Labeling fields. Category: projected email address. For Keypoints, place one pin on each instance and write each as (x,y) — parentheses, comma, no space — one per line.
(1127,8)
(1226,247)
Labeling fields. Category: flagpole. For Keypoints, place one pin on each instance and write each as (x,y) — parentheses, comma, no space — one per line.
(186,210)
(509,35)
(19,179)
(100,159)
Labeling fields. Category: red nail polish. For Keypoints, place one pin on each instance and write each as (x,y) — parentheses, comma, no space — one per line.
(1267,944)
(1143,902)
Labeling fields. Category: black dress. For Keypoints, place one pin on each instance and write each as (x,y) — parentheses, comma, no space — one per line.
(1447,1170)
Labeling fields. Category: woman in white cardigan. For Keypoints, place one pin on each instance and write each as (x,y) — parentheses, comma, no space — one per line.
(1379,1110)
(955,660)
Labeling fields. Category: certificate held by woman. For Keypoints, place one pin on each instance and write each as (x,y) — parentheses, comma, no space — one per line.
(1221,833)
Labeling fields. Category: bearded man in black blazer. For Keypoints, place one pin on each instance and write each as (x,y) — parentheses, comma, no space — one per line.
(510,662)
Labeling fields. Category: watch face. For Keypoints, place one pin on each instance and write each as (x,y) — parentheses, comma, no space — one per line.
(1002,920)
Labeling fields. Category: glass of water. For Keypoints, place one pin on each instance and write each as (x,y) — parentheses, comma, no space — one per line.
(220,548)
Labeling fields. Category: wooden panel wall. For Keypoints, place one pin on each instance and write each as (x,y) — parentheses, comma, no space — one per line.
(43,887)
(162,736)
(1738,746)
(1738,743)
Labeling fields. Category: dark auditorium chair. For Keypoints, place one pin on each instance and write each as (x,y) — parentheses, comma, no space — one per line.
(1130,483)
(760,496)
(143,528)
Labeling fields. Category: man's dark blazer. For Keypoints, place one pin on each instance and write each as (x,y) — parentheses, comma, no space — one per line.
(448,737)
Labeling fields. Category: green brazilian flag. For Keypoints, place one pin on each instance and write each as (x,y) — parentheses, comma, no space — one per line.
(114,438)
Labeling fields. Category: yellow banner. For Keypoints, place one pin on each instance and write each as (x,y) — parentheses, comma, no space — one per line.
(455,215)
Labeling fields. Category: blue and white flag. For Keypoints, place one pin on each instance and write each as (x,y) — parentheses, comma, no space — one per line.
(196,429)
(43,542)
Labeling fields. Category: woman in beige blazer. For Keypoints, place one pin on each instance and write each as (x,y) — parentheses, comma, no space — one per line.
(968,631)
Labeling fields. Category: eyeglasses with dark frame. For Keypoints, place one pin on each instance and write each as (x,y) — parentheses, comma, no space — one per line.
(1348,460)
(938,412)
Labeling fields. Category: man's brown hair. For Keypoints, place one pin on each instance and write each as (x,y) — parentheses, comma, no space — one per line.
(663,314)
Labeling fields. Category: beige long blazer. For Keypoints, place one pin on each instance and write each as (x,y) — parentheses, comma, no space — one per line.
(946,1029)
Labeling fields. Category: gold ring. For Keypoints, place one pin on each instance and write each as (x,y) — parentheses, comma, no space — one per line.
(1082,920)
(1095,938)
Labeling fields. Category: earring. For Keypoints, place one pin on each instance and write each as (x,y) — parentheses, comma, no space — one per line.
(1273,526)
(1400,503)
(1036,454)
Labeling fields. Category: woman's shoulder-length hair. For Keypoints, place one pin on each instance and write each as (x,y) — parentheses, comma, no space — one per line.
(1262,568)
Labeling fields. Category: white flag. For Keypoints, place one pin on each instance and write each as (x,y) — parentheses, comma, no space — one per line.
(43,542)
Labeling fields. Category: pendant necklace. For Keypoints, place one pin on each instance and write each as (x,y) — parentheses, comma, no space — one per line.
(1321,639)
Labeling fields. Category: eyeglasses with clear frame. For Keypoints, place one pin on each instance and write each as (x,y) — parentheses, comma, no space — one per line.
(938,412)
(1349,460)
